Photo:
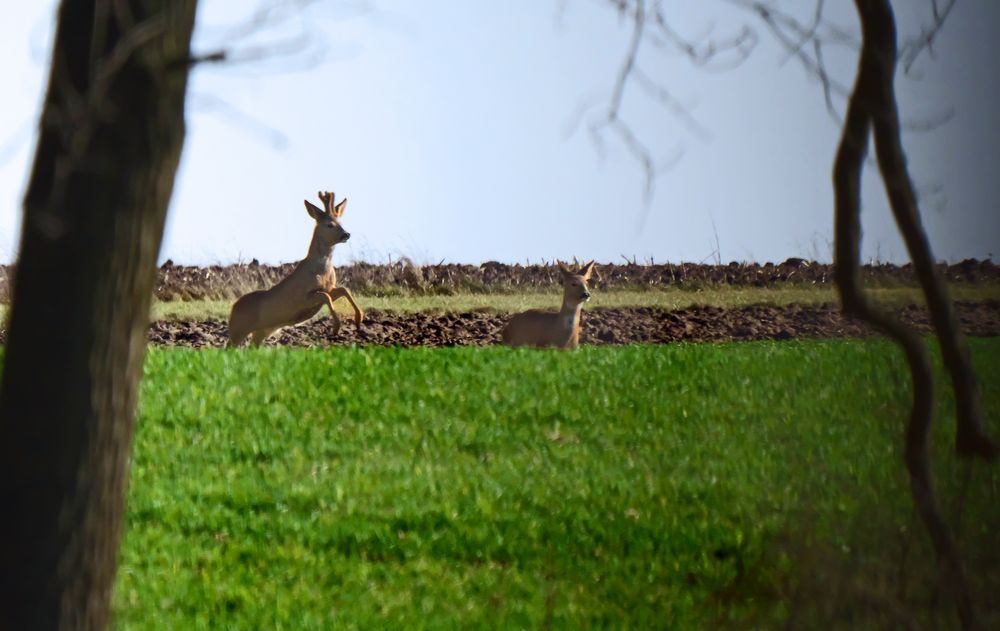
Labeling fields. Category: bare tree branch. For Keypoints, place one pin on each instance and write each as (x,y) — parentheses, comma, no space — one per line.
(210,102)
(810,35)
(245,41)
(648,24)
(911,49)
(794,37)
(711,54)
(873,106)
(871,109)
(668,101)
(638,25)
(611,118)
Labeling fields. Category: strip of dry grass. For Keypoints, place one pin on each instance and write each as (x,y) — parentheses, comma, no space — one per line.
(663,299)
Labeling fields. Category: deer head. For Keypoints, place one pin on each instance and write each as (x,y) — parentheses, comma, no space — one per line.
(574,283)
(328,231)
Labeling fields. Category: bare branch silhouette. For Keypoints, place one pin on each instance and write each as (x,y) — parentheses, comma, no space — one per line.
(263,42)
(810,35)
(662,95)
(711,54)
(648,24)
(239,118)
(795,36)
(910,51)
(871,110)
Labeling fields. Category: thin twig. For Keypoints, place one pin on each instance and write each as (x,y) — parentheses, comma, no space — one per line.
(911,49)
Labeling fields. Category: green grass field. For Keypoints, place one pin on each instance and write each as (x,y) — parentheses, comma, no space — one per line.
(722,296)
(681,486)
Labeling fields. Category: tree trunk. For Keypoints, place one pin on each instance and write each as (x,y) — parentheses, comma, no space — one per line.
(872,107)
(110,139)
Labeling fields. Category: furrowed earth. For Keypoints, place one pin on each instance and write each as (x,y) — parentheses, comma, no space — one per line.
(599,326)
(183,282)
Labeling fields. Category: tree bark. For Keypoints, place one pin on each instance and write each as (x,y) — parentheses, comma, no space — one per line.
(110,139)
(872,106)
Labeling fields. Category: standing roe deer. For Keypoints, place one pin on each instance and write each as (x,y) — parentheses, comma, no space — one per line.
(539,328)
(301,294)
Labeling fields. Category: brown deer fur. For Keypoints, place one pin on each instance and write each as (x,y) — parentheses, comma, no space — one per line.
(561,329)
(300,295)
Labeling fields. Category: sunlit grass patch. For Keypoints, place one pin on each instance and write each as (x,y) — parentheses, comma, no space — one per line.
(462,487)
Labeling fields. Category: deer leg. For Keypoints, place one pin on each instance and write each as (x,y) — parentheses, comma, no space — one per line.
(343,292)
(236,339)
(336,321)
(258,337)
(239,328)
(333,312)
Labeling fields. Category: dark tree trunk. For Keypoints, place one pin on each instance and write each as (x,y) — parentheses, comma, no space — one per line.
(873,108)
(110,139)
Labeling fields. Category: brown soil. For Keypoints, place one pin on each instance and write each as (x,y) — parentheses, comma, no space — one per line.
(180,282)
(600,326)
(197,283)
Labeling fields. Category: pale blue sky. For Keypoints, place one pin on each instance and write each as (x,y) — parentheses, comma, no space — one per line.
(448,125)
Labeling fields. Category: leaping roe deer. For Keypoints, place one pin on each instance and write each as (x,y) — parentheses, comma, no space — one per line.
(301,294)
(561,329)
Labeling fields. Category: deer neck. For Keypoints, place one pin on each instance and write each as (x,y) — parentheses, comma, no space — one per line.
(319,253)
(569,314)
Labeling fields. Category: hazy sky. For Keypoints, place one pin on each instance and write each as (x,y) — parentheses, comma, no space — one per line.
(450,128)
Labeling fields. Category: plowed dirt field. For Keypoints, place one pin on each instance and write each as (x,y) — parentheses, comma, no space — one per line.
(600,326)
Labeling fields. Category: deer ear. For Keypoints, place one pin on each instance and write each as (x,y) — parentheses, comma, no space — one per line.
(562,268)
(313,210)
(587,270)
(338,210)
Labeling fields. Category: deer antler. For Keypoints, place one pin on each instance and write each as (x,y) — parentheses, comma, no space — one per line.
(327,199)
